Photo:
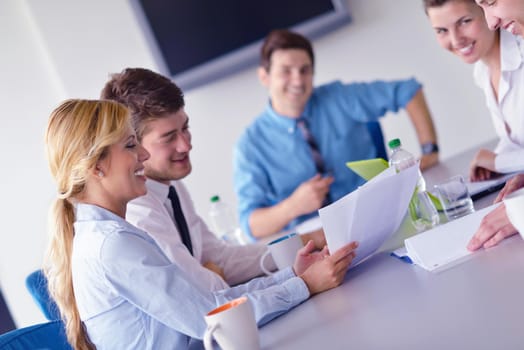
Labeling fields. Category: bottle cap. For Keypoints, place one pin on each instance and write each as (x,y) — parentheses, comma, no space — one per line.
(215,199)
(394,143)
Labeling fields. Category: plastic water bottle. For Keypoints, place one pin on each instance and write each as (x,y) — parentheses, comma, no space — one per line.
(423,213)
(223,222)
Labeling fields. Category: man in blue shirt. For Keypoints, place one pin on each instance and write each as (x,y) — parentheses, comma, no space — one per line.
(277,180)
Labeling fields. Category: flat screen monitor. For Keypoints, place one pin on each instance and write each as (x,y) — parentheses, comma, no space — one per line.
(198,41)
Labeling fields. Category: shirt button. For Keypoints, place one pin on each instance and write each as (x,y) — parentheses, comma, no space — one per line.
(290,130)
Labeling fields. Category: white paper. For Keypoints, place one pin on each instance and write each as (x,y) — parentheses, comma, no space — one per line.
(371,213)
(445,246)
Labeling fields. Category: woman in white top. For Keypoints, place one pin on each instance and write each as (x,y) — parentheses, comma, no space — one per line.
(507,15)
(461,28)
(114,286)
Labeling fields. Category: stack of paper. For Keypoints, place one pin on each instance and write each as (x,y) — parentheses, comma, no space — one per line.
(445,246)
(371,213)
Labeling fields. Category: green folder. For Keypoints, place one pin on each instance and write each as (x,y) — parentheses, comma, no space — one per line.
(368,168)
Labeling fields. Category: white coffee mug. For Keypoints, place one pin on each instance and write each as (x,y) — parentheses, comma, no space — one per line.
(283,250)
(233,325)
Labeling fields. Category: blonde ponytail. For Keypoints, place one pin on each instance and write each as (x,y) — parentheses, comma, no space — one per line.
(78,135)
(58,271)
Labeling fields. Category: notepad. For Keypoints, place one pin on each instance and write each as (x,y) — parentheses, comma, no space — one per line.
(368,168)
(445,246)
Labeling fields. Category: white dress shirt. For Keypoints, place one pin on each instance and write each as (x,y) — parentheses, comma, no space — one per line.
(515,209)
(153,213)
(131,296)
(507,111)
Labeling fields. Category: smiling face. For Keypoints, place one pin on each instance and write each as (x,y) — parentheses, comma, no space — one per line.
(121,172)
(505,14)
(289,80)
(168,140)
(460,28)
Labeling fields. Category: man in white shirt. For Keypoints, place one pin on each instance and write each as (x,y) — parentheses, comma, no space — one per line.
(162,126)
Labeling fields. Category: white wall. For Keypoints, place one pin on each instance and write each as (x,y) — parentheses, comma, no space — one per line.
(28,90)
(57,49)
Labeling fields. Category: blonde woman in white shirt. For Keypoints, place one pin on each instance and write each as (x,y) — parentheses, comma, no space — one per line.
(113,284)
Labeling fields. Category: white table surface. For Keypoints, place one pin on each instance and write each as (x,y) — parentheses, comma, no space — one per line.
(385,303)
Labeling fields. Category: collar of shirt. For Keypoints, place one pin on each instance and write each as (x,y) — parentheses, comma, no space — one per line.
(90,212)
(85,212)
(511,55)
(158,189)
(161,191)
(283,122)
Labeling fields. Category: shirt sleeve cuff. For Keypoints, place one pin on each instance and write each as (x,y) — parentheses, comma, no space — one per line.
(283,275)
(297,289)
(293,283)
(509,162)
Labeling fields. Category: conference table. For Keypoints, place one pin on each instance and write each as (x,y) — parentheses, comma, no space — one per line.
(385,303)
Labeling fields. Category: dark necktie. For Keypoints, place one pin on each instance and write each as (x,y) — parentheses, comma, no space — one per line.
(180,219)
(317,157)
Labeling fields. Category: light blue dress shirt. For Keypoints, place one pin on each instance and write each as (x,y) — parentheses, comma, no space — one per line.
(271,158)
(130,296)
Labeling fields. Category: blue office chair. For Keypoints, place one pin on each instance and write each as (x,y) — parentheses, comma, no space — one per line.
(36,284)
(49,336)
(378,139)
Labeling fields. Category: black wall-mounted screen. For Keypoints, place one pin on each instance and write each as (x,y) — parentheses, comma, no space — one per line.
(198,41)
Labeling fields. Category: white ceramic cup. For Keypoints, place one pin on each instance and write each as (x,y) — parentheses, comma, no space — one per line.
(233,326)
(283,250)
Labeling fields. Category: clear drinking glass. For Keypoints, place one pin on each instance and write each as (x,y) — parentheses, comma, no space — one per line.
(454,197)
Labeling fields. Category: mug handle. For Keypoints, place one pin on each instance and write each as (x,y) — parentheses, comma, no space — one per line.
(262,258)
(208,337)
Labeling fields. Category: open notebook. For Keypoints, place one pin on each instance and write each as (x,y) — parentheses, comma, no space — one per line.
(482,188)
(445,246)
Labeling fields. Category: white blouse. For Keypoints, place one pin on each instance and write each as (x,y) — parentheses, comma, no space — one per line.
(507,112)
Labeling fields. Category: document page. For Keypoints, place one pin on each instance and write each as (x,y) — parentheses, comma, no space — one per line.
(445,246)
(371,213)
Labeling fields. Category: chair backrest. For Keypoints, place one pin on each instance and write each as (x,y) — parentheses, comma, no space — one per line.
(378,139)
(36,284)
(50,335)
